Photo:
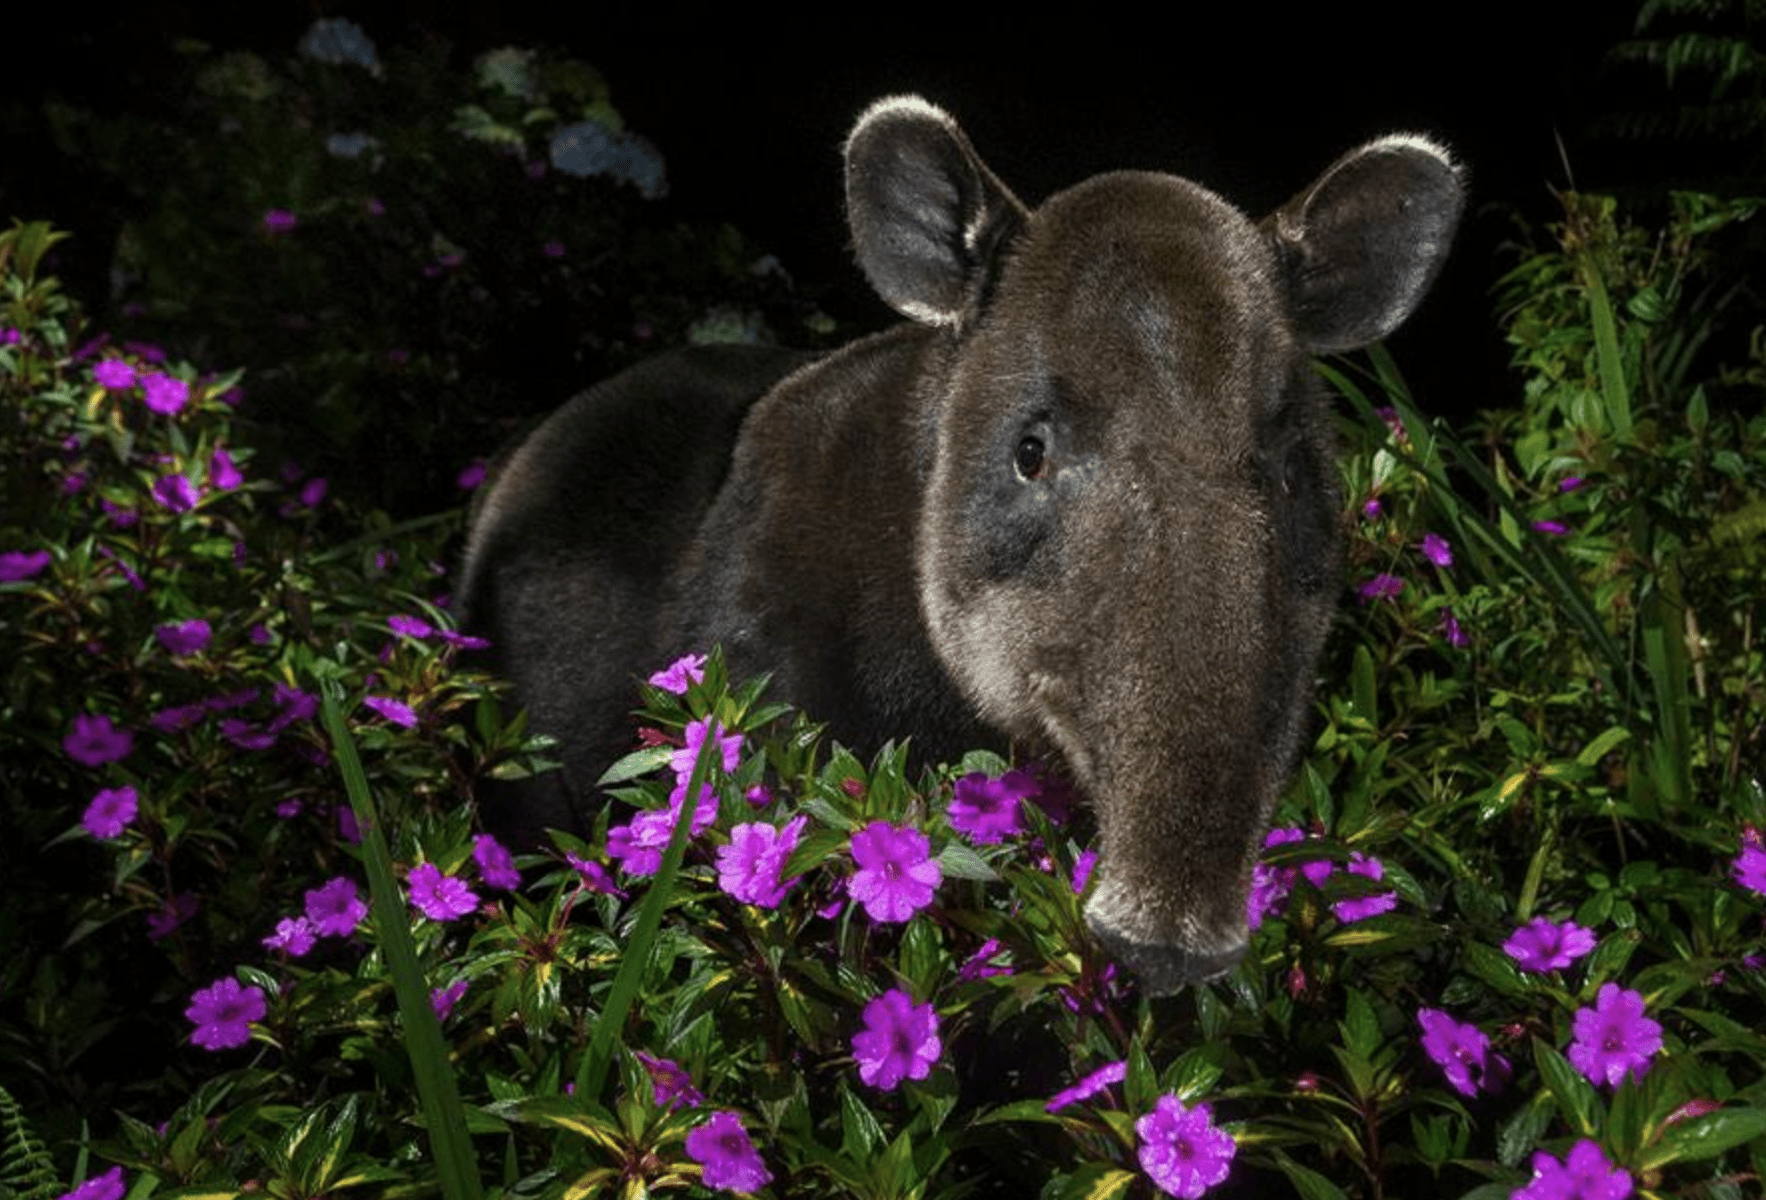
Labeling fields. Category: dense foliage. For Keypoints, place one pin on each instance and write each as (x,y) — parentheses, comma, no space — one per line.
(1509,922)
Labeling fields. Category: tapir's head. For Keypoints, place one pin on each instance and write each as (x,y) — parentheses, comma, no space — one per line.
(1126,547)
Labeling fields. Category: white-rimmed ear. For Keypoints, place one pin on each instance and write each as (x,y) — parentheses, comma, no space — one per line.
(1361,245)
(927,217)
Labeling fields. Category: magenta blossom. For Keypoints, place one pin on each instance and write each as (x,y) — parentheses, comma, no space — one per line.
(1380,587)
(899,1040)
(108,1186)
(164,394)
(114,374)
(94,741)
(223,1013)
(177,910)
(638,845)
(1181,1149)
(983,963)
(1436,549)
(728,747)
(1585,1174)
(496,866)
(987,810)
(1462,1051)
(1360,908)
(335,909)
(1541,945)
(110,812)
(471,475)
(176,493)
(396,711)
(1613,1039)
(440,897)
(752,866)
(222,472)
(669,1082)
(594,875)
(294,936)
(18,564)
(896,875)
(1450,629)
(730,1161)
(279,221)
(185,637)
(1089,1086)
(680,674)
(442,1000)
(411,627)
(1749,868)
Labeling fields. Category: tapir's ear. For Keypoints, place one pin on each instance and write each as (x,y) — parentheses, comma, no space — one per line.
(1362,244)
(928,218)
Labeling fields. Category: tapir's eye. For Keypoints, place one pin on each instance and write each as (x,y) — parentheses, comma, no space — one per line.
(1028,458)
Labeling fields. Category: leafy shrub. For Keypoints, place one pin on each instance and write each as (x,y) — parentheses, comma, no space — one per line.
(1509,922)
(408,259)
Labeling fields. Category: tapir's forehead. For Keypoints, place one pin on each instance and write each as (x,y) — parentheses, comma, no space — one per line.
(1135,282)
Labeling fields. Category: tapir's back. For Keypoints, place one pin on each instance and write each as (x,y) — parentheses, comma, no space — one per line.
(576,534)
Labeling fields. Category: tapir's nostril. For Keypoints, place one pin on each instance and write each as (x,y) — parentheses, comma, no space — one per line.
(1164,969)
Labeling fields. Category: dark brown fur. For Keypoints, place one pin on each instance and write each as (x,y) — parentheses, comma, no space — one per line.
(1149,602)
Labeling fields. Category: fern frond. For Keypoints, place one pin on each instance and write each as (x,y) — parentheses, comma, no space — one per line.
(26,1171)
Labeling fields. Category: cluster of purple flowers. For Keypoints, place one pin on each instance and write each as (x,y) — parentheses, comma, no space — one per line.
(1271,886)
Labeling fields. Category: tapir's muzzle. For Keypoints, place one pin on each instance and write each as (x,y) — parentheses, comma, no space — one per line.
(1163,969)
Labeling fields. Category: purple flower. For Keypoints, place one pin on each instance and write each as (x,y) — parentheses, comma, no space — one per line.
(176,493)
(18,564)
(1541,945)
(1436,549)
(729,749)
(1089,1086)
(1360,908)
(896,875)
(594,875)
(679,674)
(164,394)
(94,741)
(730,1160)
(751,867)
(279,220)
(1569,483)
(396,711)
(442,1000)
(899,1040)
(412,627)
(247,735)
(1462,1051)
(981,964)
(1082,868)
(638,845)
(335,909)
(670,1084)
(1555,528)
(177,910)
(1585,1174)
(496,866)
(1450,629)
(184,638)
(1613,1039)
(471,475)
(294,936)
(1749,868)
(108,1186)
(296,705)
(440,897)
(223,1013)
(114,374)
(110,812)
(1181,1150)
(1380,587)
(987,809)
(222,473)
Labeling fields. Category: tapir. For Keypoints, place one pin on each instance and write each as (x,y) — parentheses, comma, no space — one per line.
(1083,499)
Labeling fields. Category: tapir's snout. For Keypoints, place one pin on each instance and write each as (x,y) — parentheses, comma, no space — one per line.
(1164,968)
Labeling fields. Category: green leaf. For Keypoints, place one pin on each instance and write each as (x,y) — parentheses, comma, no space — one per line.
(958,861)
(635,764)
(1309,1183)
(1576,1098)
(1705,1137)
(1096,1181)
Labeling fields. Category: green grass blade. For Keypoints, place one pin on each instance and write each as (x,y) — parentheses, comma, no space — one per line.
(437,1091)
(592,1076)
(1615,389)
